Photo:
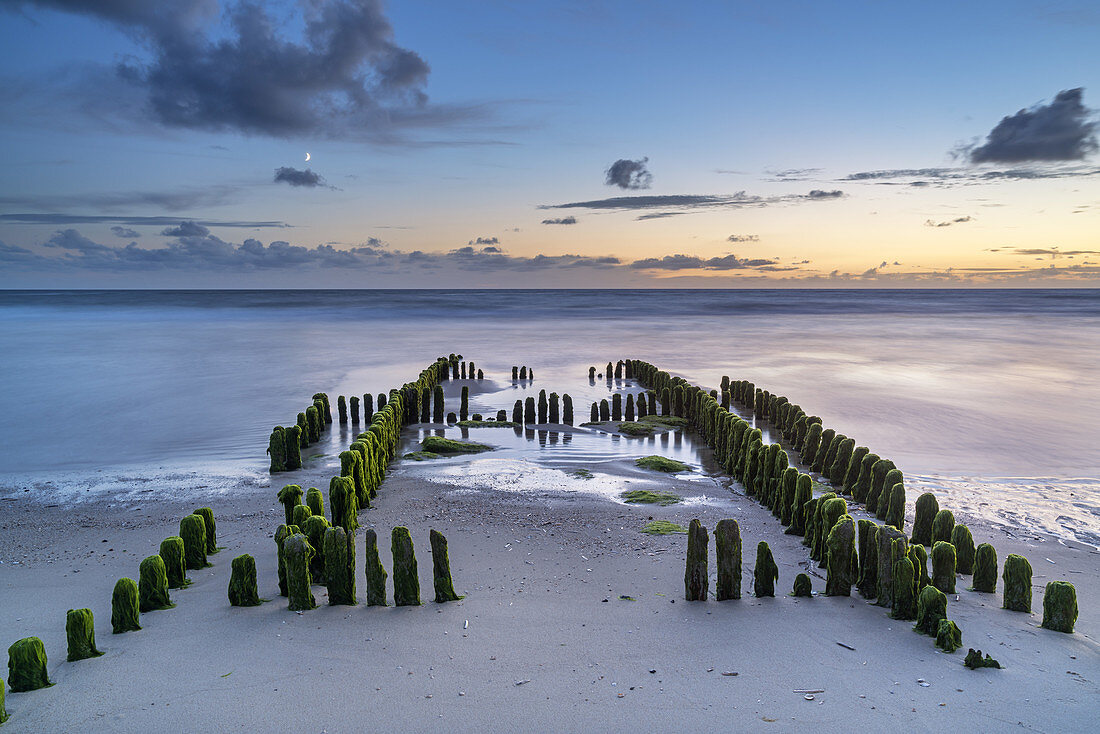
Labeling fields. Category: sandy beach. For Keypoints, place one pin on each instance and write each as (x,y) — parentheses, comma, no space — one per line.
(544,639)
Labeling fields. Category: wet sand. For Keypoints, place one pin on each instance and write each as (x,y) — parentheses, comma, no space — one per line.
(543,639)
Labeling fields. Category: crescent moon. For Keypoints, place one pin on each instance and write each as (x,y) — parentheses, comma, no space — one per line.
(307,157)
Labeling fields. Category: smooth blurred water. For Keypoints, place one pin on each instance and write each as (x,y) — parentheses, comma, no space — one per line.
(984,392)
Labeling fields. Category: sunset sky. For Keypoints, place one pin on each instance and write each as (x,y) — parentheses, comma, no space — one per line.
(532,144)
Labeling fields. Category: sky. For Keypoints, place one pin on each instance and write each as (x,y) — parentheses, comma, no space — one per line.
(531,144)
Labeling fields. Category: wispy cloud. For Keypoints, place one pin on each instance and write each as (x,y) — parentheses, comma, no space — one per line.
(181,199)
(743,238)
(561,220)
(948,222)
(946,177)
(694,201)
(694,262)
(60,220)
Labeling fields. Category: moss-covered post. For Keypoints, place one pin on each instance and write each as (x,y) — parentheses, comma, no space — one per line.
(964,549)
(803,493)
(339,552)
(948,636)
(276,448)
(354,408)
(298,553)
(1059,606)
(1017,583)
(406,580)
(895,512)
(696,581)
(342,409)
(802,585)
(985,568)
(868,559)
(617,407)
(609,371)
(594,416)
(567,409)
(376,575)
(152,585)
(643,408)
(242,582)
(888,552)
(517,413)
(811,443)
(441,569)
(831,510)
(727,547)
(628,412)
(851,475)
(3,709)
(464,406)
(207,516)
(839,468)
(438,409)
(919,557)
(281,534)
(555,409)
(904,591)
(314,422)
(289,497)
(931,608)
(666,402)
(124,607)
(343,502)
(529,411)
(875,497)
(842,562)
(943,567)
(927,507)
(193,532)
(605,411)
(301,514)
(766,572)
(368,408)
(80,635)
(523,372)
(303,426)
(314,530)
(175,567)
(544,407)
(27,665)
(315,501)
(293,438)
(942,526)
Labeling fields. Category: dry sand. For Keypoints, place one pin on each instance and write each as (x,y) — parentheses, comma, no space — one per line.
(543,640)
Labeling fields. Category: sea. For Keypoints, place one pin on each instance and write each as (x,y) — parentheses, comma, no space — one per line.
(990,398)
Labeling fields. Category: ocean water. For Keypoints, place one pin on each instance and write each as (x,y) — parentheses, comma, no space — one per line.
(990,397)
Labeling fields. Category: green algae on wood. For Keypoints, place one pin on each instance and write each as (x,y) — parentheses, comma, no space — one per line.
(441,569)
(281,534)
(650,497)
(567,409)
(315,501)
(301,514)
(931,608)
(243,591)
(290,496)
(886,550)
(696,580)
(193,532)
(919,557)
(831,510)
(842,560)
(943,567)
(464,404)
(124,607)
(662,464)
(1059,606)
(964,549)
(766,572)
(342,408)
(803,493)
(868,559)
(3,708)
(153,585)
(293,438)
(882,488)
(80,635)
(895,512)
(974,660)
(27,665)
(448,446)
(926,508)
(631,428)
(207,516)
(948,636)
(353,406)
(376,575)
(487,424)
(942,525)
(406,580)
(276,448)
(727,548)
(298,553)
(802,586)
(904,591)
(343,502)
(662,527)
(1017,583)
(314,530)
(985,569)
(175,568)
(438,409)
(339,552)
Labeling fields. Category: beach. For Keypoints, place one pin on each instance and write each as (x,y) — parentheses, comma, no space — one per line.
(573,619)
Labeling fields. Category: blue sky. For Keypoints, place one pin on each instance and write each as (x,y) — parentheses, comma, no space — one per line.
(472,116)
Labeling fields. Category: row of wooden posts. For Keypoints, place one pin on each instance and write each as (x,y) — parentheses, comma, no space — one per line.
(616,371)
(884,551)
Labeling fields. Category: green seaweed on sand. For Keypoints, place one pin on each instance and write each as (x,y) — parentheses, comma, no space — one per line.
(631,428)
(153,585)
(662,463)
(974,660)
(582,473)
(662,527)
(440,445)
(421,456)
(665,420)
(949,637)
(649,497)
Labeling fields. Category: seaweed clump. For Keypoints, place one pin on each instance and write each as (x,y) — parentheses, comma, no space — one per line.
(448,446)
(27,665)
(648,497)
(974,660)
(802,586)
(631,428)
(662,527)
(949,637)
(662,464)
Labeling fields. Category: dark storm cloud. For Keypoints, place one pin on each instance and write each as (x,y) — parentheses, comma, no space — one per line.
(947,223)
(628,174)
(562,220)
(693,262)
(69,219)
(125,232)
(694,201)
(1059,131)
(343,78)
(297,178)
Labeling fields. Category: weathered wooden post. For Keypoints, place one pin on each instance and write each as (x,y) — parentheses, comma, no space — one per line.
(1059,606)
(567,409)
(290,496)
(727,547)
(985,568)
(943,567)
(175,567)
(298,553)
(406,580)
(441,569)
(464,406)
(124,607)
(80,635)
(242,582)
(193,532)
(211,528)
(766,573)
(376,575)
(927,507)
(964,548)
(1017,583)
(696,581)
(153,585)
(339,552)
(842,560)
(27,665)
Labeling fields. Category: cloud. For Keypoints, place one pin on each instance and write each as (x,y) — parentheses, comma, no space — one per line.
(693,201)
(948,223)
(694,262)
(946,177)
(562,220)
(657,215)
(792,174)
(1052,252)
(186,229)
(177,200)
(628,174)
(744,238)
(332,71)
(69,219)
(125,232)
(486,241)
(1059,131)
(297,178)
